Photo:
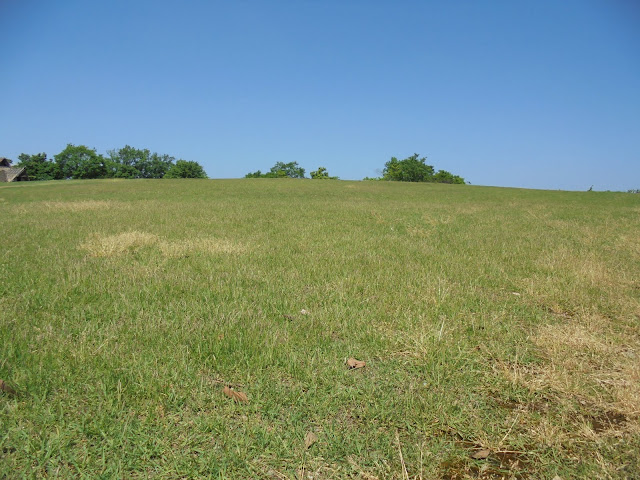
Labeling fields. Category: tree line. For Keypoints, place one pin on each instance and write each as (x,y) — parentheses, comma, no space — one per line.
(410,169)
(291,170)
(82,162)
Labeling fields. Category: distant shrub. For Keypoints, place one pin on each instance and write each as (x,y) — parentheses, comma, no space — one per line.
(322,174)
(280,170)
(446,177)
(415,169)
(186,169)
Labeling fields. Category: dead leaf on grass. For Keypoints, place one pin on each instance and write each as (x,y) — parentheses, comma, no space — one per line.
(304,312)
(309,439)
(6,388)
(481,454)
(353,363)
(239,397)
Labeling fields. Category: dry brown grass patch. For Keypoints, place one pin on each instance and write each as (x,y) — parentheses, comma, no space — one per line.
(588,352)
(586,268)
(437,218)
(630,243)
(208,245)
(110,245)
(81,206)
(419,231)
(74,207)
(589,361)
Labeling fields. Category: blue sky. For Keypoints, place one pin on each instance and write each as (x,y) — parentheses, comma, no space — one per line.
(536,94)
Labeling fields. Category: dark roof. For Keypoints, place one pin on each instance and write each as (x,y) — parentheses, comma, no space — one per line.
(5,162)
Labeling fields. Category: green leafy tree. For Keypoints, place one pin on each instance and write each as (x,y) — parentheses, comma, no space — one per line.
(392,170)
(186,169)
(37,166)
(415,169)
(280,170)
(291,170)
(126,162)
(158,166)
(129,162)
(447,177)
(257,174)
(322,174)
(80,162)
(411,169)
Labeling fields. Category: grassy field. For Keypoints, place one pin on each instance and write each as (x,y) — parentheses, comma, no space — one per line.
(500,330)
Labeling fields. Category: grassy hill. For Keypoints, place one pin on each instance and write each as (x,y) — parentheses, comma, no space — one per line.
(500,330)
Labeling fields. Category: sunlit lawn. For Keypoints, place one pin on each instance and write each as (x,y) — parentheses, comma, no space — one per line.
(500,324)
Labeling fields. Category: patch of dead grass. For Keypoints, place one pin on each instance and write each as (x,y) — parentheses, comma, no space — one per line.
(206,245)
(588,352)
(81,206)
(589,362)
(110,245)
(419,232)
(122,243)
(586,268)
(72,206)
(629,243)
(437,218)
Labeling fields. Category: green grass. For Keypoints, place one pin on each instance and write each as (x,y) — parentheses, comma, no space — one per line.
(488,318)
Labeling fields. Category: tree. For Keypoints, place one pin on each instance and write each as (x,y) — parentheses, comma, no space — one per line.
(411,169)
(280,170)
(126,162)
(159,165)
(291,170)
(446,177)
(186,169)
(37,166)
(80,162)
(257,174)
(129,162)
(322,174)
(415,169)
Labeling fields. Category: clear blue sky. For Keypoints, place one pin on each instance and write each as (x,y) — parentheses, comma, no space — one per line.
(537,94)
